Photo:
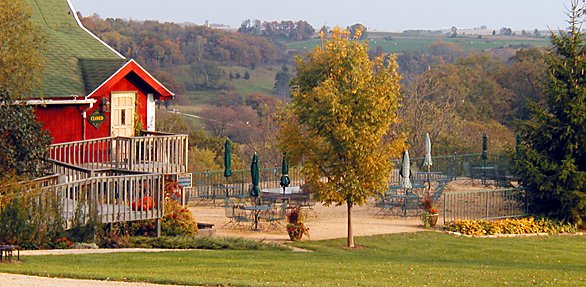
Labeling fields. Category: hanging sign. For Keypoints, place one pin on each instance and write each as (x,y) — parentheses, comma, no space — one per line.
(96,118)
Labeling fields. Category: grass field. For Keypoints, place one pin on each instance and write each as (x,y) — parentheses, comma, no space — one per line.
(262,80)
(416,259)
(410,43)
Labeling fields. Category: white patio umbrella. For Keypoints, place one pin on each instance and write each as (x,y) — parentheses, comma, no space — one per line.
(427,161)
(405,171)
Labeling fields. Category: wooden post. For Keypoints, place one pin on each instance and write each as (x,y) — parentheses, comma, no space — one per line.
(159,227)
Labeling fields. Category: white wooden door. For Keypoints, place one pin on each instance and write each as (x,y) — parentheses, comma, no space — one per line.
(122,114)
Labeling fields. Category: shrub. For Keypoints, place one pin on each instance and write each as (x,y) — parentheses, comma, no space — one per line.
(113,239)
(177,221)
(510,226)
(203,242)
(61,243)
(27,221)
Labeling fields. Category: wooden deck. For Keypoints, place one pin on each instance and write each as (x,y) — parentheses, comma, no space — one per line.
(114,179)
(152,153)
(109,199)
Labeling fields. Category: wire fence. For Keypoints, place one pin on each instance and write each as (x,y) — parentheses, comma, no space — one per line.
(484,204)
(495,167)
(213,184)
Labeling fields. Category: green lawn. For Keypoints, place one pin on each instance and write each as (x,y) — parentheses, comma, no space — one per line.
(417,259)
(262,79)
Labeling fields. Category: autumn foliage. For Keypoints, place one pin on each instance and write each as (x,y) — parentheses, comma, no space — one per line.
(343,106)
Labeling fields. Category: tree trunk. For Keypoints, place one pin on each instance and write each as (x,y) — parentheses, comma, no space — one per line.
(350,235)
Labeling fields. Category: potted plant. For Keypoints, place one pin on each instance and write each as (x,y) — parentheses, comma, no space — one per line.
(429,215)
(295,226)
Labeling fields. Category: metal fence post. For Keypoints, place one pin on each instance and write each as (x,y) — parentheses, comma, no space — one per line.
(445,209)
(487,203)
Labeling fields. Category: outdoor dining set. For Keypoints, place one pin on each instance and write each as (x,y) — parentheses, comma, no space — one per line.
(406,191)
(266,212)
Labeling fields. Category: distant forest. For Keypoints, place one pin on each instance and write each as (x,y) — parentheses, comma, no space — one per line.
(451,92)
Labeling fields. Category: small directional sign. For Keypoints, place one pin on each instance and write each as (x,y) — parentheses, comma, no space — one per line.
(96,118)
(184,179)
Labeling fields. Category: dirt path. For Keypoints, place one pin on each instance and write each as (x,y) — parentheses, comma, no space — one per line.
(323,222)
(15,280)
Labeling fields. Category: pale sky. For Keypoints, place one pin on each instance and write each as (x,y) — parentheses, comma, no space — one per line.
(382,15)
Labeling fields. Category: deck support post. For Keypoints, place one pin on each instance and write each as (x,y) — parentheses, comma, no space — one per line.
(158,227)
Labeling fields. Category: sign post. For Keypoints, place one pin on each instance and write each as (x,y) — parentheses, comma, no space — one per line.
(185,181)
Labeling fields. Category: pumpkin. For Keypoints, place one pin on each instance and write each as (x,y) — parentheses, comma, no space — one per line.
(148,202)
(143,203)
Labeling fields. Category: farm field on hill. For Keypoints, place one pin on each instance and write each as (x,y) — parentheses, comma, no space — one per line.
(399,43)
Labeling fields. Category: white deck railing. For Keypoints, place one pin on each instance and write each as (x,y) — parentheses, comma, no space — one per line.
(109,199)
(153,153)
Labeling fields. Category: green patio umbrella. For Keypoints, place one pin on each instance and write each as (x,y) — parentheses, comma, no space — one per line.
(405,171)
(285,180)
(484,156)
(255,175)
(227,158)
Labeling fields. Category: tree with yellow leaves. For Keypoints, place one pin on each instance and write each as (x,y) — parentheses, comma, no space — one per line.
(339,122)
(21,60)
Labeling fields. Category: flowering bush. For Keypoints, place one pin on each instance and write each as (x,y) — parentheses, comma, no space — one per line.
(510,226)
(173,190)
(429,214)
(178,220)
(427,205)
(295,226)
(62,243)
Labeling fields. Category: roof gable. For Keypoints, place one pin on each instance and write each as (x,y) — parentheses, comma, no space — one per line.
(134,71)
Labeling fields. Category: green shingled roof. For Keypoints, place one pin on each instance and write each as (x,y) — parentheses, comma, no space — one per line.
(77,63)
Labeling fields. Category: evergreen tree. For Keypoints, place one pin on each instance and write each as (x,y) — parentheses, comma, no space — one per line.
(282,81)
(23,144)
(552,155)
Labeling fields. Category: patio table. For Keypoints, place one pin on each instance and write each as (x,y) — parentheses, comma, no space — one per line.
(255,211)
(484,169)
(406,201)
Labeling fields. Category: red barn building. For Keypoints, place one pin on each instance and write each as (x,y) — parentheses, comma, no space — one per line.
(88,89)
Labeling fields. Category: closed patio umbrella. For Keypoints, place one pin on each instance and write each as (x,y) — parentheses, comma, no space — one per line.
(227,158)
(227,163)
(405,171)
(285,180)
(427,162)
(484,156)
(255,175)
